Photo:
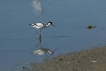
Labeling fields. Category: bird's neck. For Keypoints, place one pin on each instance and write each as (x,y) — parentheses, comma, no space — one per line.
(48,24)
(50,52)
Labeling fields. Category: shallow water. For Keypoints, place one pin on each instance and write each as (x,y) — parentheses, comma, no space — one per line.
(18,38)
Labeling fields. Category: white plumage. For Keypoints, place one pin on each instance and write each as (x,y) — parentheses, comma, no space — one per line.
(42,51)
(40,26)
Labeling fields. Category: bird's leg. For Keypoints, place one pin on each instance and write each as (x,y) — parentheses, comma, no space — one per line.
(40,33)
(37,45)
(37,32)
(40,40)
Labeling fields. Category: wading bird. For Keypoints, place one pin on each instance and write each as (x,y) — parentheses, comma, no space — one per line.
(42,51)
(40,26)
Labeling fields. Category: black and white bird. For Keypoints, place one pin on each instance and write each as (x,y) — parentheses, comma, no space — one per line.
(40,26)
(42,51)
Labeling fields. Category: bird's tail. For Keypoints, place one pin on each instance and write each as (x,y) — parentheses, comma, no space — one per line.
(31,24)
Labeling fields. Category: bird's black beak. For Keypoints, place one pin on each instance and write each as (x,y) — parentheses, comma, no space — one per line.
(53,25)
(54,51)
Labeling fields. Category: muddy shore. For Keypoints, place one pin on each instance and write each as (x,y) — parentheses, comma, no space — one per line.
(84,60)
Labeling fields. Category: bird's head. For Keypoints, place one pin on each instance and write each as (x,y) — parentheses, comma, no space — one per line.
(50,23)
(52,52)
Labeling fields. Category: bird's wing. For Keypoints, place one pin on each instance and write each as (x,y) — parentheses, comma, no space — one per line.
(33,25)
(39,24)
(35,52)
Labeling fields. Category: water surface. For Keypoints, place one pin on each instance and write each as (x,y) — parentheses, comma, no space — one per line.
(71,17)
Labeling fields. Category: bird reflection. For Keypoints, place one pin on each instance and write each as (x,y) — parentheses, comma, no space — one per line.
(41,50)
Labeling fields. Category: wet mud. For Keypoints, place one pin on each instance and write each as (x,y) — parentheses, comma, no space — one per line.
(84,60)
